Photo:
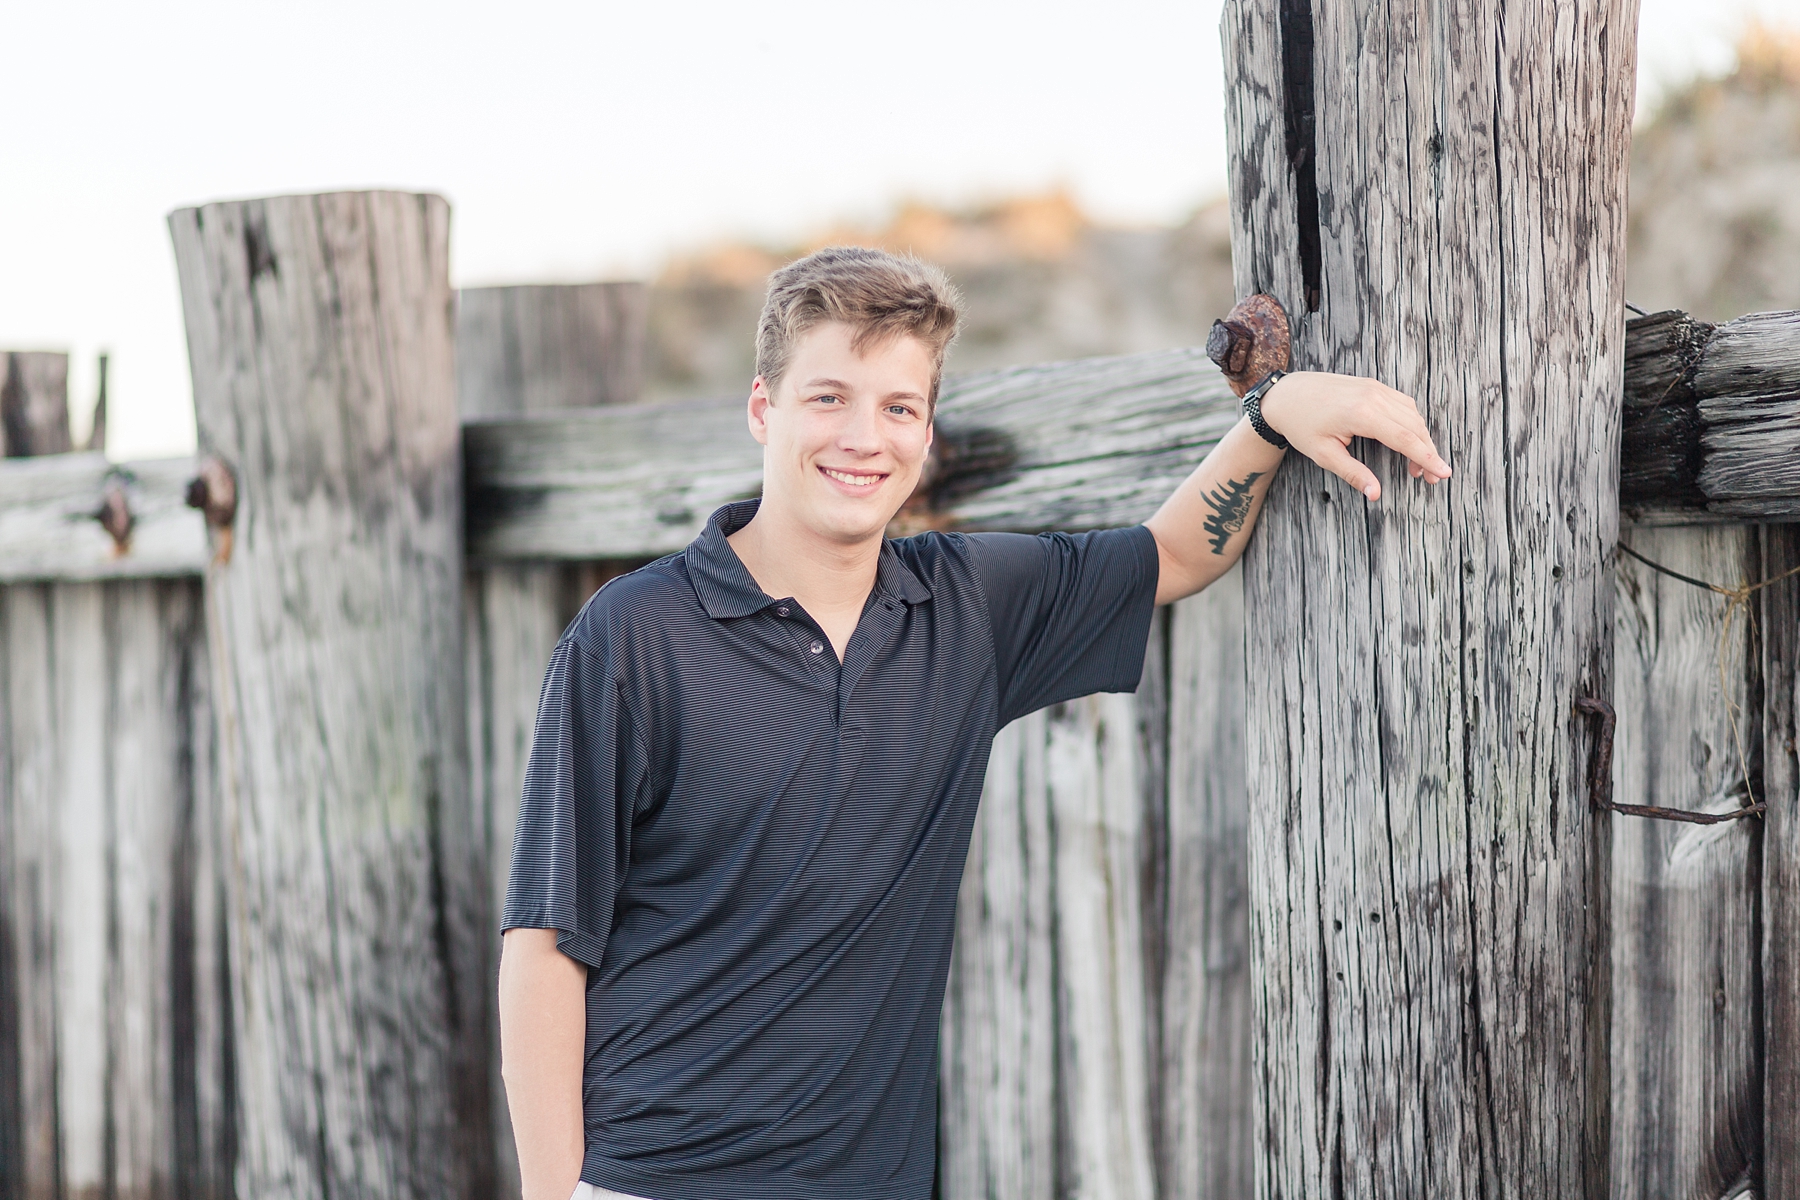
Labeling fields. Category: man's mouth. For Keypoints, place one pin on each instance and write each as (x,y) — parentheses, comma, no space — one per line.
(854,479)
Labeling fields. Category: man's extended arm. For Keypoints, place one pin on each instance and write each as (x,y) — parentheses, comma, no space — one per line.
(543,1028)
(1201,529)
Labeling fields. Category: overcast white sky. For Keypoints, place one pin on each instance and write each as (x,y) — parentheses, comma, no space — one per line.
(583,141)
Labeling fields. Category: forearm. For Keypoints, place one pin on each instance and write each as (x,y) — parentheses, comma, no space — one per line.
(1202,528)
(543,1025)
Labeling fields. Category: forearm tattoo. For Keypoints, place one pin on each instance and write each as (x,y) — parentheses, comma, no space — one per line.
(1230,506)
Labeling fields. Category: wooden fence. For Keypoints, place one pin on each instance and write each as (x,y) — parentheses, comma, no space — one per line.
(249,859)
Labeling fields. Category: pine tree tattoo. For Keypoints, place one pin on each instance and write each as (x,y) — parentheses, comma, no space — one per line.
(1230,505)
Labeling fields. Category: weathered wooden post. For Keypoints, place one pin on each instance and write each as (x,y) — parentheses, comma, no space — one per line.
(320,335)
(543,347)
(1436,194)
(521,351)
(34,403)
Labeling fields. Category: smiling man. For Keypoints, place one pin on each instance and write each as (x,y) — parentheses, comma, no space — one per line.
(757,764)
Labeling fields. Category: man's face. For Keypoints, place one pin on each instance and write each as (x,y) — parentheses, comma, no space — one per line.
(845,433)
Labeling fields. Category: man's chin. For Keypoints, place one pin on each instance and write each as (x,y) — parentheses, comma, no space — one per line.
(851,524)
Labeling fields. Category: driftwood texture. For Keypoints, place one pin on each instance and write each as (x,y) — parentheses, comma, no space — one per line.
(1095,1035)
(34,403)
(319,332)
(115,1029)
(1685,1058)
(1780,870)
(1710,419)
(1438,197)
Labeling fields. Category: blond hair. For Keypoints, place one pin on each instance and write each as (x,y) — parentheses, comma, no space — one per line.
(879,295)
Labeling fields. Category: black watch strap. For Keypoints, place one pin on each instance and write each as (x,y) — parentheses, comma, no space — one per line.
(1253,410)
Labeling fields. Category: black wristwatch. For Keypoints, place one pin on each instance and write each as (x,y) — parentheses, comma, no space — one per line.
(1253,410)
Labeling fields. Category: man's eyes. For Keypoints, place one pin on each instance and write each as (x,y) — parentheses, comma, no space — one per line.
(898,410)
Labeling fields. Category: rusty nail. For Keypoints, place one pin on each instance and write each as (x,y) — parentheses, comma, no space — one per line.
(1600,778)
(114,515)
(1600,765)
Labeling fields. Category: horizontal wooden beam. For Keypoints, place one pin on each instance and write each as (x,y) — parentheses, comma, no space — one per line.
(1711,436)
(51,528)
(1710,432)
(1075,445)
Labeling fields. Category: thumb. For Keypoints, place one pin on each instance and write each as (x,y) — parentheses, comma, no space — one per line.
(1334,457)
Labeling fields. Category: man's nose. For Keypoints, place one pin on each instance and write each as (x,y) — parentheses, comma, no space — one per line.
(861,431)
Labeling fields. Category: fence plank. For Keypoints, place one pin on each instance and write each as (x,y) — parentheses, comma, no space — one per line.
(998,1035)
(1780,874)
(1206,1142)
(115,1050)
(1686,1113)
(31,1164)
(83,889)
(1092,777)
(320,340)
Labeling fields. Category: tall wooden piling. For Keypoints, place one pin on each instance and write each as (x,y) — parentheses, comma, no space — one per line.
(321,340)
(1437,196)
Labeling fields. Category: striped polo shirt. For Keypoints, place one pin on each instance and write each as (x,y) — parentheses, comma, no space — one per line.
(756,848)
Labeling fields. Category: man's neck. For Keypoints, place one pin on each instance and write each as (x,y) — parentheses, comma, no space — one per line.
(830,579)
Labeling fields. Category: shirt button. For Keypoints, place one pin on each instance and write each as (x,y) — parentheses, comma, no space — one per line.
(782,611)
(818,647)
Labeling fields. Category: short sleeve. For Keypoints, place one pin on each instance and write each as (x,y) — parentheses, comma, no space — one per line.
(1070,612)
(573,837)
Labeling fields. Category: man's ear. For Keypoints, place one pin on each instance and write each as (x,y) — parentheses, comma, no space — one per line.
(759,410)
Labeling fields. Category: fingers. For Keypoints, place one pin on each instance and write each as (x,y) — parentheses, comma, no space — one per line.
(1338,460)
(1394,420)
(1410,438)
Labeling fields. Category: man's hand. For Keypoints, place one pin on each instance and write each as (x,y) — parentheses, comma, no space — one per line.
(1200,530)
(1320,413)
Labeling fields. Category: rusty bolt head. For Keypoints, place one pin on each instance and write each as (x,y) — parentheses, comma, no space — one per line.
(214,492)
(1228,345)
(114,515)
(1250,342)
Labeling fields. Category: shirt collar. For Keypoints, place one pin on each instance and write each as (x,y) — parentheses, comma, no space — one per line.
(726,589)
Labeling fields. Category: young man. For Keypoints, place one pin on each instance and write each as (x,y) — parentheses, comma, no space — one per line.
(757,764)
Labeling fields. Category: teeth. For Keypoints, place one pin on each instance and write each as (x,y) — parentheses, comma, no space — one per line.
(852,480)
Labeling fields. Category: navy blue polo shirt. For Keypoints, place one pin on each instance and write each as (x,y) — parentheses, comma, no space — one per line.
(756,849)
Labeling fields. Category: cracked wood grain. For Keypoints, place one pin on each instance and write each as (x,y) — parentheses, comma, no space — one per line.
(320,337)
(1429,916)
(1687,1108)
(1779,878)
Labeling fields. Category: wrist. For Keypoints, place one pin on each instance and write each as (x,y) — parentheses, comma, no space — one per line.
(1253,410)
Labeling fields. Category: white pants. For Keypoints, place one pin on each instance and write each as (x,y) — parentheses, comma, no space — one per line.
(587,1191)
